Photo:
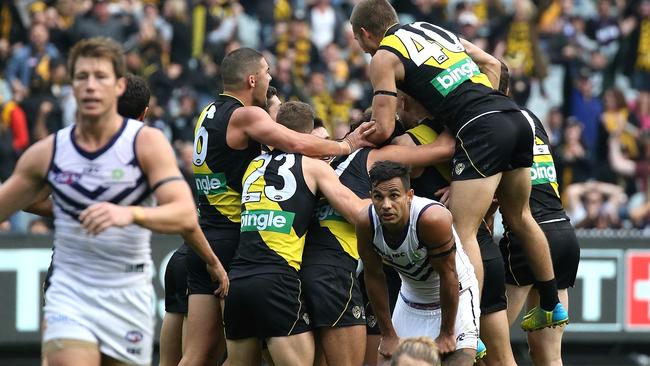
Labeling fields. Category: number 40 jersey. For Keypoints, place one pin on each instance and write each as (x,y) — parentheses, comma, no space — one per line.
(441,75)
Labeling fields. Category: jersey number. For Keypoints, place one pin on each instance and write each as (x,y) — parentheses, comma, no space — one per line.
(421,49)
(271,192)
(201,137)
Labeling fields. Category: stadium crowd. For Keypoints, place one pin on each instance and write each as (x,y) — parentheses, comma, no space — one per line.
(587,61)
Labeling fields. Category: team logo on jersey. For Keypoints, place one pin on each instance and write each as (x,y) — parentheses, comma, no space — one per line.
(134,336)
(449,79)
(208,184)
(326,212)
(267,220)
(458,168)
(305,317)
(66,177)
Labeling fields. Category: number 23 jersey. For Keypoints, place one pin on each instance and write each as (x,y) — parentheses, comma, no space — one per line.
(441,75)
(277,208)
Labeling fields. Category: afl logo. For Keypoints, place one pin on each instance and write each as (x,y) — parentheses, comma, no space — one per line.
(134,336)
(356,312)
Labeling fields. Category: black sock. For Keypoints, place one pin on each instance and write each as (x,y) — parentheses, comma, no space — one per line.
(547,294)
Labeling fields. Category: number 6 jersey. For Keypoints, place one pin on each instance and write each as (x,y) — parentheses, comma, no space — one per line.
(277,208)
(218,169)
(441,75)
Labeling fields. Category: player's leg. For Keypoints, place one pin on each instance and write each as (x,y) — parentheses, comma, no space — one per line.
(345,345)
(469,202)
(294,350)
(517,297)
(372,349)
(205,340)
(171,339)
(513,194)
(244,352)
(495,330)
(71,352)
(172,329)
(546,344)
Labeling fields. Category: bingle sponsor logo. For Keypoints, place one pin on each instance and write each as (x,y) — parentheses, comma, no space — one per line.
(210,183)
(456,74)
(267,220)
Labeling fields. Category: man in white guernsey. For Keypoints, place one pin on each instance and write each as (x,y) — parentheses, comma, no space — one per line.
(439,293)
(106,174)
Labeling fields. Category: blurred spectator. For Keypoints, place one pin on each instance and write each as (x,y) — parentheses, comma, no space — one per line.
(587,108)
(640,39)
(604,29)
(594,205)
(99,22)
(554,125)
(39,226)
(328,20)
(283,80)
(573,159)
(5,226)
(12,30)
(34,59)
(617,121)
(638,169)
(14,125)
(182,122)
(295,44)
(176,15)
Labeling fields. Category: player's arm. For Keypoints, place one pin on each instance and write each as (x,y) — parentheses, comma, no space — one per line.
(436,234)
(256,124)
(197,240)
(375,281)
(440,150)
(27,179)
(325,180)
(382,73)
(488,64)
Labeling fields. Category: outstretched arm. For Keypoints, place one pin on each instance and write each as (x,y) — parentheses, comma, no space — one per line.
(441,150)
(435,227)
(382,73)
(256,124)
(488,64)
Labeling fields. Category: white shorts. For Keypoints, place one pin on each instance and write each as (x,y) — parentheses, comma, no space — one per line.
(410,322)
(120,320)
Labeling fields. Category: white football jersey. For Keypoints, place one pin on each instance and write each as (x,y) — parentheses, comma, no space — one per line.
(420,282)
(118,256)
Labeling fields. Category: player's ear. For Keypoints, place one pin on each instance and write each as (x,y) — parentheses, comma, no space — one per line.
(410,194)
(143,115)
(121,86)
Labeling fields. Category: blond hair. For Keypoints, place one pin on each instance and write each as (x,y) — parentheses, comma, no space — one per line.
(420,348)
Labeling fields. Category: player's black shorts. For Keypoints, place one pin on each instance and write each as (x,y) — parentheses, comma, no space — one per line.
(393,283)
(224,245)
(265,305)
(565,253)
(493,143)
(333,296)
(493,297)
(176,282)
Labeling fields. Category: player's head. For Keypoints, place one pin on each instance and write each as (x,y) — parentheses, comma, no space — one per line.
(370,19)
(246,69)
(391,192)
(97,71)
(409,110)
(420,351)
(272,102)
(134,103)
(297,116)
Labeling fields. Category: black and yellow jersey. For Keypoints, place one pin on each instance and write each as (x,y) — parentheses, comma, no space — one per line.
(545,203)
(438,176)
(277,207)
(218,169)
(331,240)
(441,75)
(433,177)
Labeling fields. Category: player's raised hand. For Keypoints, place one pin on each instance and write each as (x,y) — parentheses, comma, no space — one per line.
(100,216)
(359,137)
(218,274)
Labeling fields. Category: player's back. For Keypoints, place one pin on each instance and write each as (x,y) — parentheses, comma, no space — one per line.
(218,168)
(420,282)
(277,207)
(331,239)
(118,256)
(441,75)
